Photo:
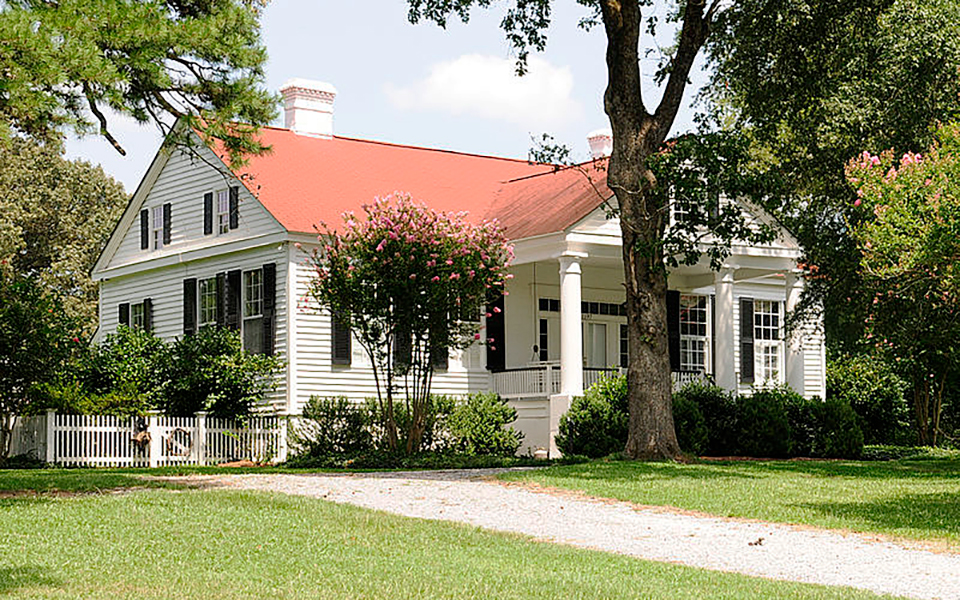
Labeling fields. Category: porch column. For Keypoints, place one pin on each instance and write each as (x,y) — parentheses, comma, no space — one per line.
(571,328)
(726,368)
(793,346)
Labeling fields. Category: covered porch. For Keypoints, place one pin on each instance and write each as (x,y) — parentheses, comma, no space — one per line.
(563,323)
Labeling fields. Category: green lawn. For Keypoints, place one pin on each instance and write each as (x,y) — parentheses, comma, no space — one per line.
(918,500)
(188,544)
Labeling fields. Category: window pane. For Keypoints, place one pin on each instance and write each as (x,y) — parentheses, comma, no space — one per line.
(253,336)
(252,293)
(223,211)
(208,301)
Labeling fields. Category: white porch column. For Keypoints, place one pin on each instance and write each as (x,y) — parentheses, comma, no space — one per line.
(793,346)
(726,368)
(571,328)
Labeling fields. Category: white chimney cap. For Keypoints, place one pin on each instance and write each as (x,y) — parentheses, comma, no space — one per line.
(601,143)
(308,107)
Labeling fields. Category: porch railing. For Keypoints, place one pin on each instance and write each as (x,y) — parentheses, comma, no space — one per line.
(539,381)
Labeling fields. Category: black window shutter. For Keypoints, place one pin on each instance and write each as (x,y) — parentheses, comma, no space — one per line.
(221,299)
(496,330)
(208,213)
(402,349)
(124,314)
(342,349)
(189,306)
(673,328)
(439,356)
(234,207)
(233,300)
(144,229)
(167,209)
(746,340)
(148,314)
(269,307)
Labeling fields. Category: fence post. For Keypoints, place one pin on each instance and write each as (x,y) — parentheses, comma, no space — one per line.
(200,439)
(153,428)
(282,442)
(51,441)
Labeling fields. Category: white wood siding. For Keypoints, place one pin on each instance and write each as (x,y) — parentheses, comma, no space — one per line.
(164,286)
(182,182)
(316,375)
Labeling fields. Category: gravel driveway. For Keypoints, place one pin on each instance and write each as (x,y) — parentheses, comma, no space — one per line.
(751,548)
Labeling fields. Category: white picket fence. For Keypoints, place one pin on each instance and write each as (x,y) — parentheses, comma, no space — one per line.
(151,441)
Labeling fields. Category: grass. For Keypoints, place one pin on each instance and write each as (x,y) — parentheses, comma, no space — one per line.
(242,545)
(913,500)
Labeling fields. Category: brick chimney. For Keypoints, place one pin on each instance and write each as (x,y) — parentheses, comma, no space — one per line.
(601,143)
(308,107)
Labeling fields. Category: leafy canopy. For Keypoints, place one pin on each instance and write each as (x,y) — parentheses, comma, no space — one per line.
(55,217)
(73,64)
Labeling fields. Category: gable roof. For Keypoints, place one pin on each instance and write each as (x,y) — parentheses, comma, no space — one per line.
(308,180)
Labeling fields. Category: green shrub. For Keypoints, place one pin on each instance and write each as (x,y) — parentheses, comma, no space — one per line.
(692,432)
(210,371)
(876,394)
(803,416)
(719,411)
(596,424)
(763,429)
(128,364)
(332,427)
(479,426)
(435,438)
(838,434)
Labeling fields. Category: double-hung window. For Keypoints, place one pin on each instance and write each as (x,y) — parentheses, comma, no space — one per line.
(253,310)
(138,318)
(767,342)
(156,229)
(693,333)
(208,302)
(223,212)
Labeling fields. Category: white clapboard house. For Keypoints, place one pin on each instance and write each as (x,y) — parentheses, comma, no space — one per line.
(203,245)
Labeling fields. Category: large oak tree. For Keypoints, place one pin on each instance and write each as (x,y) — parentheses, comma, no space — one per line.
(639,131)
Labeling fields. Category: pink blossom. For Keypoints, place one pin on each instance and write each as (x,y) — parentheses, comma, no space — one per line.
(449,261)
(413,275)
(381,245)
(496,309)
(857,202)
(454,275)
(476,336)
(435,279)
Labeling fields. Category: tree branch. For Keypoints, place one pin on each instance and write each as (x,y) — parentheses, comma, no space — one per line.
(91,101)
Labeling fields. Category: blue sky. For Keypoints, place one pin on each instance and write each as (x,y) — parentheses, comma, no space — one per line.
(422,85)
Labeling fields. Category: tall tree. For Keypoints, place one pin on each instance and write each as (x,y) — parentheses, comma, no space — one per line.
(639,130)
(55,217)
(817,81)
(74,64)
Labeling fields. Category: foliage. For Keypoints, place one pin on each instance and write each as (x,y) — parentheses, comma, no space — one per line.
(705,178)
(719,410)
(908,235)
(838,434)
(36,337)
(407,272)
(152,60)
(692,432)
(479,425)
(132,371)
(332,426)
(596,423)
(763,429)
(831,78)
(876,393)
(55,217)
(210,371)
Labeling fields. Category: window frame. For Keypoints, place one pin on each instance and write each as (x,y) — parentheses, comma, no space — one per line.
(138,316)
(156,227)
(768,342)
(256,318)
(209,282)
(221,212)
(695,334)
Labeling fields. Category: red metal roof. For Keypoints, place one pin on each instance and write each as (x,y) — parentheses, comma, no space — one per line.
(307,180)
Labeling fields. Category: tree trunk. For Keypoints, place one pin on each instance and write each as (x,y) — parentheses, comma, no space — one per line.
(636,135)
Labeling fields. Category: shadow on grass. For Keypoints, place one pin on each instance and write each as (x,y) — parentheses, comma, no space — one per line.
(858,469)
(937,514)
(13,579)
(622,470)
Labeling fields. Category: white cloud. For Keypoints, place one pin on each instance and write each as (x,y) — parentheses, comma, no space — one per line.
(488,87)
